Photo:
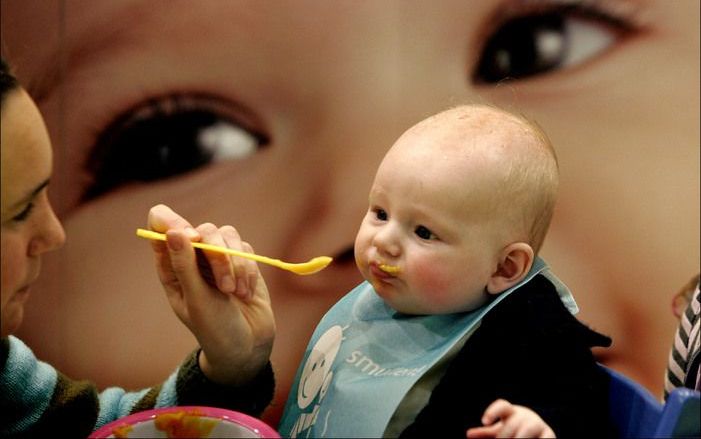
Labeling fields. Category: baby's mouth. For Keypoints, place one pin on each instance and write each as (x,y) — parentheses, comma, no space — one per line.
(389,269)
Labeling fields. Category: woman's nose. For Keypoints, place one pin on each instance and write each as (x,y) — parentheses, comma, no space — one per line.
(49,233)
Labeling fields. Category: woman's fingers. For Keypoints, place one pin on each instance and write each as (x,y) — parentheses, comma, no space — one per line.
(252,272)
(162,218)
(181,256)
(240,265)
(220,264)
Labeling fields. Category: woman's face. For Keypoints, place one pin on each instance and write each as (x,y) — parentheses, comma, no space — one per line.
(273,116)
(29,226)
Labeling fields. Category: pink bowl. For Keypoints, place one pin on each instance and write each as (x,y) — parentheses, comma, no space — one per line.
(171,421)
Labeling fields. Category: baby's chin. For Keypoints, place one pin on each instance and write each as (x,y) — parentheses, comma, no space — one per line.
(414,309)
(435,308)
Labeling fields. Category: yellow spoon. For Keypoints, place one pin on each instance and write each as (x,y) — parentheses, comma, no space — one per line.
(310,267)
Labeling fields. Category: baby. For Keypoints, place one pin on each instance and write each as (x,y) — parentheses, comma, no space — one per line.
(457,307)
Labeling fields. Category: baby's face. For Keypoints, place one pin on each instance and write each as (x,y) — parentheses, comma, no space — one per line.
(428,243)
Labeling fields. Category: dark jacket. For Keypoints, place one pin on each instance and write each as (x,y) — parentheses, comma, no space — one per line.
(531,351)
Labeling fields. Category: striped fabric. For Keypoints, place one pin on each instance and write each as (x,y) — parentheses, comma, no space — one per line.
(38,401)
(683,365)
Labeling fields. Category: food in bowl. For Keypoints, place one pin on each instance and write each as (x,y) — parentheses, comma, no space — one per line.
(186,422)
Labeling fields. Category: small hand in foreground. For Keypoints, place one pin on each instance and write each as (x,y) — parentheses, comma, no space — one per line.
(223,300)
(503,419)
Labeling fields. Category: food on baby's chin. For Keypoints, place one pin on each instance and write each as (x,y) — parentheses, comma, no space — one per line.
(183,424)
(122,431)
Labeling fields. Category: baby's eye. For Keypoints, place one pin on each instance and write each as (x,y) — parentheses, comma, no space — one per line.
(424,233)
(380,214)
(166,137)
(542,41)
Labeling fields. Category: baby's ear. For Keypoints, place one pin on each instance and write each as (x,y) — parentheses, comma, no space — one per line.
(515,261)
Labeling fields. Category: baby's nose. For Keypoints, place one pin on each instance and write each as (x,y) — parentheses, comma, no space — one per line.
(386,241)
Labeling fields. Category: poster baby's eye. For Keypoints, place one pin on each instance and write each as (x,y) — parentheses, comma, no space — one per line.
(165,137)
(544,41)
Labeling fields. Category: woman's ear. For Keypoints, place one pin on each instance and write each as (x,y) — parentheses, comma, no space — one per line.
(514,263)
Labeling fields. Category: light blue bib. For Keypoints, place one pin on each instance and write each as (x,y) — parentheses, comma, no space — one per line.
(364,357)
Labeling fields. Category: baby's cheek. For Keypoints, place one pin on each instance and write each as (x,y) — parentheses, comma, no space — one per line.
(433,282)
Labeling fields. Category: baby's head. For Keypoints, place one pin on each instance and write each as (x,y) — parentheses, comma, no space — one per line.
(458,210)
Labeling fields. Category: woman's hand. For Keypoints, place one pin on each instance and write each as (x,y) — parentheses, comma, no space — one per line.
(222,299)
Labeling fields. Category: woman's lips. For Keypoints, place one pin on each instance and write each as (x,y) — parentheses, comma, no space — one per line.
(22,294)
(24,291)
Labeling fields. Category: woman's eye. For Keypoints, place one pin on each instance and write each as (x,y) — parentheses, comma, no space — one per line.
(164,138)
(381,215)
(24,214)
(538,43)
(424,233)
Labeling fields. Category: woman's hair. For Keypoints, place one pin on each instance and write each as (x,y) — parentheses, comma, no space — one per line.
(7,81)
